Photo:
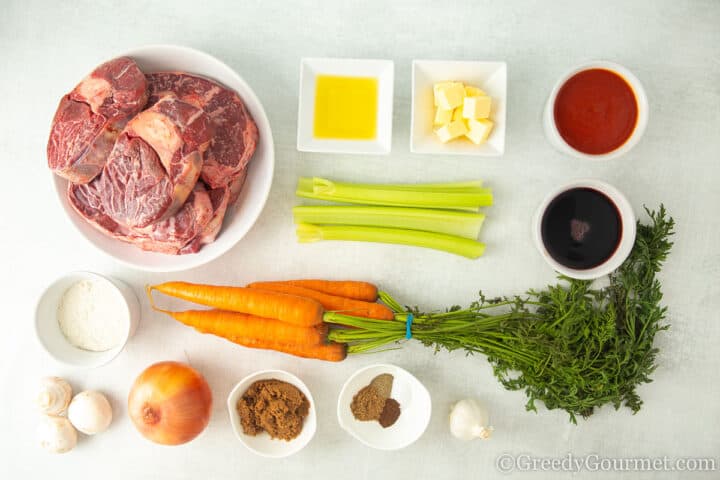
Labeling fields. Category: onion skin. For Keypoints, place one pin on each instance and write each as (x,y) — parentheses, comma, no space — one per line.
(170,403)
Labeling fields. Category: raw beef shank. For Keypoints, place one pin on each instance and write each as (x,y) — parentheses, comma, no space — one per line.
(236,134)
(89,119)
(155,163)
(176,235)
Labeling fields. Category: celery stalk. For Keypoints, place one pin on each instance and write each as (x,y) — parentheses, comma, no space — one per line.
(307,184)
(433,196)
(462,224)
(448,243)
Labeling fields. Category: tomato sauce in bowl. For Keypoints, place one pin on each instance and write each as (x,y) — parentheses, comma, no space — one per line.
(596,111)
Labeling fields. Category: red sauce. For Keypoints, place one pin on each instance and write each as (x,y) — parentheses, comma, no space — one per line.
(595,111)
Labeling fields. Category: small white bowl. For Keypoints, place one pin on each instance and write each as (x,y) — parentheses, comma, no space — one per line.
(627,238)
(490,77)
(553,135)
(415,409)
(262,444)
(310,68)
(242,216)
(51,337)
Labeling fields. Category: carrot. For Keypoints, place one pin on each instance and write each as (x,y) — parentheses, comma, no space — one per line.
(330,352)
(330,302)
(243,328)
(304,312)
(367,292)
(263,333)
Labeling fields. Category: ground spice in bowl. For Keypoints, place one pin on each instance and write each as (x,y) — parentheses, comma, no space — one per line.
(367,405)
(390,413)
(373,402)
(276,407)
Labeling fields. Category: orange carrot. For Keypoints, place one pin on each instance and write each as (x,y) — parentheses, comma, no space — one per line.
(367,292)
(330,352)
(243,328)
(330,302)
(263,333)
(304,312)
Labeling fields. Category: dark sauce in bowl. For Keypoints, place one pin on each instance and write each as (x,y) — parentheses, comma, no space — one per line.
(581,228)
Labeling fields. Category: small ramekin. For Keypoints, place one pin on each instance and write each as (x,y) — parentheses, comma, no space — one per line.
(51,337)
(415,407)
(263,444)
(627,239)
(551,130)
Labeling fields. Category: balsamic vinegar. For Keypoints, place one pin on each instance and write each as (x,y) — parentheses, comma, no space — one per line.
(581,228)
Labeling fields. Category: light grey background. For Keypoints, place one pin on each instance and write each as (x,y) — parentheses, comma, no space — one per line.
(672,46)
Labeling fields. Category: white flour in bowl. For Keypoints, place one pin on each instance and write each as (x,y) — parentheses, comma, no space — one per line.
(91,316)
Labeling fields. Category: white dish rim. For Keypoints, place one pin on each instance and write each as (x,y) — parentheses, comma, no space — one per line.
(551,130)
(190,261)
(360,147)
(245,382)
(131,317)
(382,366)
(449,150)
(627,239)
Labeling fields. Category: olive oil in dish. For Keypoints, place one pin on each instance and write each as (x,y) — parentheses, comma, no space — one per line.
(581,228)
(345,108)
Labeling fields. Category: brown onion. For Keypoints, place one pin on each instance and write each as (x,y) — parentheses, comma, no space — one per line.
(170,403)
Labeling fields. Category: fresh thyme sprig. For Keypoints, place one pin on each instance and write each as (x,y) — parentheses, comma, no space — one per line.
(570,346)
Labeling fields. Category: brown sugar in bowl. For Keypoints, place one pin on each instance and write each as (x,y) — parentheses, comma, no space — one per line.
(262,443)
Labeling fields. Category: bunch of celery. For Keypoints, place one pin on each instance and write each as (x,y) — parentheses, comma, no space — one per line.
(442,216)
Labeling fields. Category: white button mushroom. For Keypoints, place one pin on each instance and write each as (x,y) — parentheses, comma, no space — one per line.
(90,412)
(56,434)
(54,395)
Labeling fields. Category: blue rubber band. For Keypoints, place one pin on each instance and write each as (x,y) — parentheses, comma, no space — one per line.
(408,326)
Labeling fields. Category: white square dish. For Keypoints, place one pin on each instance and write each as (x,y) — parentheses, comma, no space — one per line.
(488,76)
(310,68)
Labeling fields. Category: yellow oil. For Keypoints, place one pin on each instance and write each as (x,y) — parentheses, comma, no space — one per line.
(345,108)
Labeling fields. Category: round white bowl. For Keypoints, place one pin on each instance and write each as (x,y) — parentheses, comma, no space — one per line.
(242,216)
(415,409)
(627,238)
(51,337)
(263,444)
(553,135)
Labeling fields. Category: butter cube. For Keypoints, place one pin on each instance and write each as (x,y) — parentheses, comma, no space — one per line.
(451,130)
(443,116)
(478,130)
(477,107)
(473,92)
(457,114)
(436,89)
(449,95)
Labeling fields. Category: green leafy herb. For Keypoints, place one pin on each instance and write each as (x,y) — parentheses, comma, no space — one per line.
(571,346)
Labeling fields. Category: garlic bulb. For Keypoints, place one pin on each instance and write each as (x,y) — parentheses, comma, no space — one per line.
(56,434)
(54,395)
(469,420)
(90,412)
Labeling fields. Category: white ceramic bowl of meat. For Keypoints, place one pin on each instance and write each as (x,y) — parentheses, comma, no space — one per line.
(262,444)
(240,217)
